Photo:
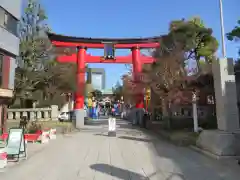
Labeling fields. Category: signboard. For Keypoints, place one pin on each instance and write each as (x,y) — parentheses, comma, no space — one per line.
(109,51)
(15,143)
(112,124)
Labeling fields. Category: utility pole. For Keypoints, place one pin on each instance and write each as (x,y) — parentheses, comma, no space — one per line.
(222,29)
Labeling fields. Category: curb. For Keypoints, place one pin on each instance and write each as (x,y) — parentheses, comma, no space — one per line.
(180,142)
(214,156)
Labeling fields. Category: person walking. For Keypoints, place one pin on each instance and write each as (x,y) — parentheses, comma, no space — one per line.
(113,111)
(97,110)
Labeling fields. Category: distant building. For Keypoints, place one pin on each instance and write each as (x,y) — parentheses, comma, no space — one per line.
(10,14)
(97,77)
(107,93)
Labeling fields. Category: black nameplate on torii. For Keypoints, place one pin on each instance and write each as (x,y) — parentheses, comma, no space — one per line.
(109,50)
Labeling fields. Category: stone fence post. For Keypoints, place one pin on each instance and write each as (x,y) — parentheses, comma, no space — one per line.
(223,141)
(54,112)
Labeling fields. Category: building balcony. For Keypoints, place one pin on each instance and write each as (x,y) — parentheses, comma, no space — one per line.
(6,93)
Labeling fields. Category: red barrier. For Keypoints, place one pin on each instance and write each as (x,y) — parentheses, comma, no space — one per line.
(27,137)
(3,156)
(31,137)
(4,136)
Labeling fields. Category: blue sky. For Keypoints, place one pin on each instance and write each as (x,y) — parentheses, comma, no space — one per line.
(134,18)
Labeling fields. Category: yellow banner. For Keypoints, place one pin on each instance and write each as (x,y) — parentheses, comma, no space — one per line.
(90,102)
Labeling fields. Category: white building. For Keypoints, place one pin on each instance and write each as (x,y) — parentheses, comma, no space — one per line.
(10,14)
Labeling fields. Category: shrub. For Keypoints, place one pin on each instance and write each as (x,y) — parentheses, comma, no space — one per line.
(33,127)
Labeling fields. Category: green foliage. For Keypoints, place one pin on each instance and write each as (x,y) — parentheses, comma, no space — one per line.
(37,69)
(234,35)
(34,44)
(97,94)
(33,50)
(118,91)
(33,127)
(192,37)
(187,40)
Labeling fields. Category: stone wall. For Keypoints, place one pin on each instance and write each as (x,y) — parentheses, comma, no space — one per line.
(182,117)
(41,114)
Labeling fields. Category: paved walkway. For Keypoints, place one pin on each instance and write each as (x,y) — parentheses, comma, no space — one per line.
(132,155)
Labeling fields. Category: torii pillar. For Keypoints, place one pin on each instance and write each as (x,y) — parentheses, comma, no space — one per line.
(80,82)
(137,70)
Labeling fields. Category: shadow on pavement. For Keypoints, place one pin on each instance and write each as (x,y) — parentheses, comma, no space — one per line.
(173,161)
(183,163)
(96,122)
(135,139)
(125,125)
(100,134)
(117,172)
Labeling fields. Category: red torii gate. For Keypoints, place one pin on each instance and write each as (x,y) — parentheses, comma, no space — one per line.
(109,45)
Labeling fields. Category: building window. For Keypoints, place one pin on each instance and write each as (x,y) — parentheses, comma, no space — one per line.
(8,21)
(5,19)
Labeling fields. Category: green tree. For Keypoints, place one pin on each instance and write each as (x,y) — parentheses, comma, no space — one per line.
(97,94)
(192,37)
(187,40)
(34,44)
(34,47)
(117,91)
(234,35)
(37,68)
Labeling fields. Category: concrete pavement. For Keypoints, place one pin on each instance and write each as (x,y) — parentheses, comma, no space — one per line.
(132,155)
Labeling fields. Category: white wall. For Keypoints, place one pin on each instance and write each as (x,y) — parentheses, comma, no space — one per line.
(13,7)
(8,41)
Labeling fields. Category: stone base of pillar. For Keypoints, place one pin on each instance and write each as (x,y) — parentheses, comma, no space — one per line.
(136,116)
(80,116)
(112,133)
(220,143)
(132,116)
